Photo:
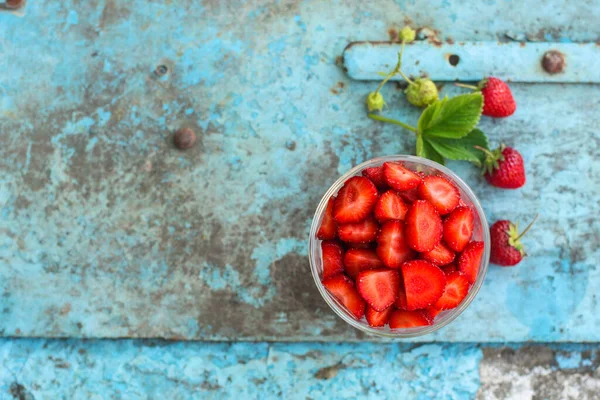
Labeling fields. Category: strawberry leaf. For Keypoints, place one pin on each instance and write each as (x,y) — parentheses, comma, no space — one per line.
(463,148)
(451,118)
(425,150)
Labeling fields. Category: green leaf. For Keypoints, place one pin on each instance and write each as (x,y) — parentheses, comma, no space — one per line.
(451,118)
(425,150)
(463,148)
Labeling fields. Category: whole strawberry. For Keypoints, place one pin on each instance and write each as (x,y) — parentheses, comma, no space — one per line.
(504,167)
(498,101)
(507,250)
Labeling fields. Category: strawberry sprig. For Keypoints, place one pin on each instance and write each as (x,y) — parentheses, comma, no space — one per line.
(446,128)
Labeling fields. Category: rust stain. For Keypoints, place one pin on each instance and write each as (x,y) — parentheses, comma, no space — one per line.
(522,44)
(65,309)
(339,61)
(17,331)
(449,40)
(393,34)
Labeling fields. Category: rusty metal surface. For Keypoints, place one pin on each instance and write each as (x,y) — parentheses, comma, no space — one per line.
(107,230)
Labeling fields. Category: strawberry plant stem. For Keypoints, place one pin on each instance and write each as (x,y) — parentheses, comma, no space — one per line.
(392,121)
(395,71)
(528,227)
(462,85)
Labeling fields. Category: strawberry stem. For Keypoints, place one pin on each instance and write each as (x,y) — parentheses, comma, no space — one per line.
(486,151)
(462,85)
(394,72)
(392,121)
(528,227)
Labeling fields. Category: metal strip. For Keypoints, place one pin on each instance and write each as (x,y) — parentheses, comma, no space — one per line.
(514,61)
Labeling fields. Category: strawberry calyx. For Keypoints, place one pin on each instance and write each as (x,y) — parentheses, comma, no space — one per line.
(514,237)
(492,157)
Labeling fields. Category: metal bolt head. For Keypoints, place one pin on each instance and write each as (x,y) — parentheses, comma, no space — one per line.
(184,138)
(14,4)
(553,62)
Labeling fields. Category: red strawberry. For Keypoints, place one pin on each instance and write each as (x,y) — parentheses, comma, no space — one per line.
(358,232)
(504,167)
(328,227)
(399,177)
(409,319)
(440,255)
(357,260)
(379,287)
(507,249)
(458,228)
(440,192)
(366,245)
(457,287)
(375,174)
(342,288)
(401,300)
(392,249)
(332,258)
(498,101)
(423,226)
(450,268)
(469,260)
(378,318)
(390,206)
(409,196)
(355,200)
(432,311)
(423,283)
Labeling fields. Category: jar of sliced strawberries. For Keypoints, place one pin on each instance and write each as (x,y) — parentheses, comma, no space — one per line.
(399,246)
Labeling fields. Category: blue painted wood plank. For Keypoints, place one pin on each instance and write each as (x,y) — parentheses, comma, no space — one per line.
(72,369)
(106,230)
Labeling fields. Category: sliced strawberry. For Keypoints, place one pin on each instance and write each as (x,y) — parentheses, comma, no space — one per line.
(450,268)
(458,228)
(366,245)
(375,175)
(379,287)
(423,283)
(378,318)
(391,245)
(409,196)
(328,227)
(440,192)
(355,200)
(343,289)
(469,260)
(401,300)
(432,311)
(399,177)
(423,226)
(358,232)
(409,319)
(333,255)
(457,287)
(390,206)
(439,255)
(357,260)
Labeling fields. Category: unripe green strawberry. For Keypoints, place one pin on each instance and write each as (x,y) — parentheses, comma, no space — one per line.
(422,92)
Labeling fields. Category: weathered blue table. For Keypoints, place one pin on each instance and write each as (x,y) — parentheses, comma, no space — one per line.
(108,231)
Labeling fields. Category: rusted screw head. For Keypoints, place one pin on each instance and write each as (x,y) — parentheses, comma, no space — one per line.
(553,62)
(14,4)
(184,138)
